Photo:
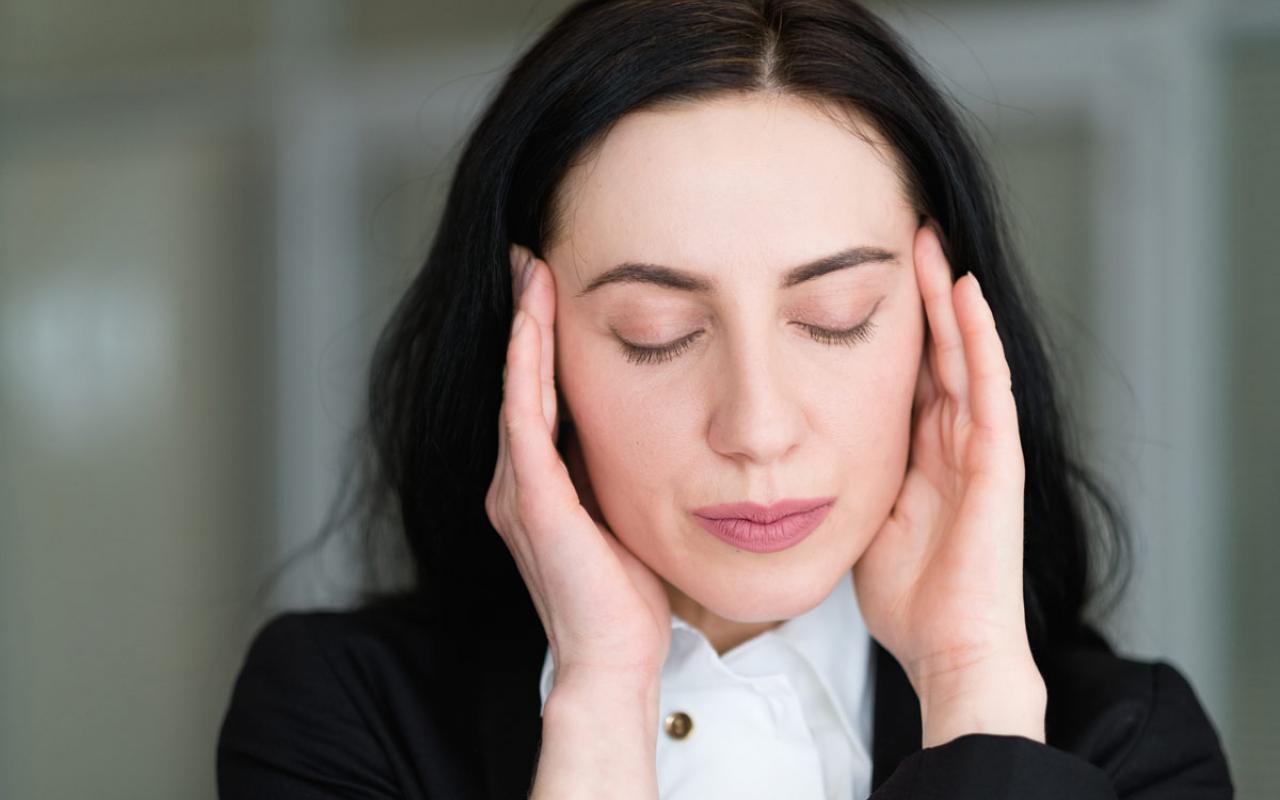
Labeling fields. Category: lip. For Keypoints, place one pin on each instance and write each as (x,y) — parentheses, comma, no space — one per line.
(762,514)
(764,529)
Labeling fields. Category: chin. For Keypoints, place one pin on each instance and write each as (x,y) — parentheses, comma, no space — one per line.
(769,595)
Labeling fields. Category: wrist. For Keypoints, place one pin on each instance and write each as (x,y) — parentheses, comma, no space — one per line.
(1003,697)
(598,734)
(631,694)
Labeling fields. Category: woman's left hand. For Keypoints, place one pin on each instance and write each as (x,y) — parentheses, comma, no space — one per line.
(940,585)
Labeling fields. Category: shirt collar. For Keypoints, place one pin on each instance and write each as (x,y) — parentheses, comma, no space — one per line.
(831,637)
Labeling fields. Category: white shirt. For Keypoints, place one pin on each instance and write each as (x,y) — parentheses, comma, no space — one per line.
(785,714)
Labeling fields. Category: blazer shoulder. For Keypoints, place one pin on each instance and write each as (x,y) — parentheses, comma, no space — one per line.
(341,652)
(322,701)
(1140,721)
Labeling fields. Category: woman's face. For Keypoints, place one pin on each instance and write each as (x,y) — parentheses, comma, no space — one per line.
(752,404)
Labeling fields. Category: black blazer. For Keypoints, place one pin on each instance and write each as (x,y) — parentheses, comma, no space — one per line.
(377,703)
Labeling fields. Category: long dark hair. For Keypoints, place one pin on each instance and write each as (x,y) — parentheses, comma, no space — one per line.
(427,450)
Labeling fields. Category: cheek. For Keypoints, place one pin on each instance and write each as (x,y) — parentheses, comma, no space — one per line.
(869,427)
(631,439)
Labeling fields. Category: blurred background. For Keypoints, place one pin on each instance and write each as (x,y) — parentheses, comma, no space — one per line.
(208,209)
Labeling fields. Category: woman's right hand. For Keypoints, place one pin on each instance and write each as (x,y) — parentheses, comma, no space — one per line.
(606,614)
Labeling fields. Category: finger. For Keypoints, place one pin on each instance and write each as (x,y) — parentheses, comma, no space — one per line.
(505,485)
(991,404)
(520,257)
(533,455)
(926,391)
(502,469)
(540,302)
(933,274)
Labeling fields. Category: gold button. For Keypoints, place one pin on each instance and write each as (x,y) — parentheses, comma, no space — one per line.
(678,724)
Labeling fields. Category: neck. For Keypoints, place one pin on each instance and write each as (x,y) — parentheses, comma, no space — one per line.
(724,634)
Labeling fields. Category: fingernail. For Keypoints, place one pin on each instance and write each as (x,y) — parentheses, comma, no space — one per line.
(519,320)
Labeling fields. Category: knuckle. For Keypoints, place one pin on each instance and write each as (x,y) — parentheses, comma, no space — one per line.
(1002,378)
(993,438)
(508,420)
(999,380)
(950,347)
(491,508)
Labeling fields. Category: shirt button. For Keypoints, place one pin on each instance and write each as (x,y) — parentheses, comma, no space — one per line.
(678,724)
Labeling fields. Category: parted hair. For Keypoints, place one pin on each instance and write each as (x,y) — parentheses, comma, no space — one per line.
(424,455)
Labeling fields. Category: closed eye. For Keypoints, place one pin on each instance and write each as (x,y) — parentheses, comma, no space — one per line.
(641,354)
(858,333)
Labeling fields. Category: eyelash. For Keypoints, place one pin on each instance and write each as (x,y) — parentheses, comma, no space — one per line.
(656,355)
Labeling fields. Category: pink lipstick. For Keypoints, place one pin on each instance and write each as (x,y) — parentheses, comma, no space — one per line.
(764,529)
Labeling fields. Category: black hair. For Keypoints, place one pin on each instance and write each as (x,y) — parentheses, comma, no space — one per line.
(427,448)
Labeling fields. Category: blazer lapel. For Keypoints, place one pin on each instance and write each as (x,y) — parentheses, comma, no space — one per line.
(896,731)
(510,718)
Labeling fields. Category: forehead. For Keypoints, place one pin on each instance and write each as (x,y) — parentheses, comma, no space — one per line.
(768,180)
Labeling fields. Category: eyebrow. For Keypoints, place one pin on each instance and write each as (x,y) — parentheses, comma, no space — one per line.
(672,278)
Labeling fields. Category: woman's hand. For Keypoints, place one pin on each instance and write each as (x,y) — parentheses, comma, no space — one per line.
(606,615)
(940,585)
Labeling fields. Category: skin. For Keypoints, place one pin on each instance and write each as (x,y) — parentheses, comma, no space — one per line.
(913,429)
(755,408)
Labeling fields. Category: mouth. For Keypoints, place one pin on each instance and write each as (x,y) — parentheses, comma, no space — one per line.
(764,529)
(762,514)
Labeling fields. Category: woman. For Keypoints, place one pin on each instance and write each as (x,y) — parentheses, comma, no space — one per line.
(779,506)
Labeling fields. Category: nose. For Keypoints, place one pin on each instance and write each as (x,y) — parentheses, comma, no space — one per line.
(757,414)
